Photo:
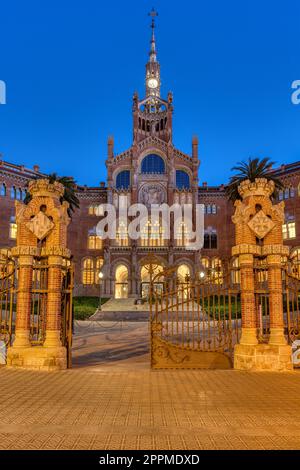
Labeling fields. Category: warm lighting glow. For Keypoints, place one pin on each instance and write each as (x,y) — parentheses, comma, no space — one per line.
(101,275)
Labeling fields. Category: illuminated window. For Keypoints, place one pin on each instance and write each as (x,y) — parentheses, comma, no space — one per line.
(121,282)
(182,238)
(289,230)
(182,180)
(13,228)
(217,271)
(94,242)
(99,264)
(153,164)
(152,234)
(123,180)
(122,234)
(93,210)
(88,275)
(205,263)
(296,263)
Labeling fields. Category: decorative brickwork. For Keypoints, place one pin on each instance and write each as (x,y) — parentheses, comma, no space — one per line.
(258,224)
(42,235)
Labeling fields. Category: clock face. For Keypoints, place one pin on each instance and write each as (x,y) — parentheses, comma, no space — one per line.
(152,83)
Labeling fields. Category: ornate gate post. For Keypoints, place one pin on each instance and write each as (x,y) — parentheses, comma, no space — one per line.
(42,232)
(24,253)
(249,336)
(258,225)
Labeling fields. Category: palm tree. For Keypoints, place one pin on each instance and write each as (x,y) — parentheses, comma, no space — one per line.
(250,170)
(69,194)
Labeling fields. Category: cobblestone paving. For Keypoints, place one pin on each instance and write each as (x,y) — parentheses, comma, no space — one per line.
(112,400)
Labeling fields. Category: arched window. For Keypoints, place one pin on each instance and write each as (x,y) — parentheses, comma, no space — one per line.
(122,234)
(182,236)
(123,180)
(94,241)
(205,263)
(183,273)
(182,180)
(210,240)
(88,272)
(217,271)
(153,164)
(2,189)
(121,282)
(152,234)
(99,264)
(13,193)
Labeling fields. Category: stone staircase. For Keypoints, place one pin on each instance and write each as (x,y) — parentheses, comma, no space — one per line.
(122,310)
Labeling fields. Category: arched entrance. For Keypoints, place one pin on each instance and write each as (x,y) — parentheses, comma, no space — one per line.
(149,271)
(183,274)
(184,278)
(121,282)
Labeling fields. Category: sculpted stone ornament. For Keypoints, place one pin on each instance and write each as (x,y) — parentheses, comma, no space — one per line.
(40,225)
(152,194)
(261,225)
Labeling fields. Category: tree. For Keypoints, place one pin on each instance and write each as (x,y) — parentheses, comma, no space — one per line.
(69,194)
(250,170)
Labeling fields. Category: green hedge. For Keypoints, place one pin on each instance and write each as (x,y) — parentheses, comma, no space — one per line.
(84,307)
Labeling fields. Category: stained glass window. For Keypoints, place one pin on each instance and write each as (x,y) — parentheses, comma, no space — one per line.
(182,180)
(123,180)
(153,164)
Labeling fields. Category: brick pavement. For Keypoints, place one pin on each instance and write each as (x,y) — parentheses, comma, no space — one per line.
(112,400)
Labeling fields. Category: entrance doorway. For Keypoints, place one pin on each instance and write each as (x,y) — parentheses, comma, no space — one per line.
(121,282)
(146,276)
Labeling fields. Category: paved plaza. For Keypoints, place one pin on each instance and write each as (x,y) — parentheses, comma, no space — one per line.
(112,400)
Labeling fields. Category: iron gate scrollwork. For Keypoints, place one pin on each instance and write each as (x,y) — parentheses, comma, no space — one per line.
(195,324)
(39,295)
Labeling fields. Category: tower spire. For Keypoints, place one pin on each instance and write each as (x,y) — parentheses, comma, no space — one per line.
(152,67)
(153,13)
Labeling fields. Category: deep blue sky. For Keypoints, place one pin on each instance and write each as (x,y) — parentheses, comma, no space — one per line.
(71,68)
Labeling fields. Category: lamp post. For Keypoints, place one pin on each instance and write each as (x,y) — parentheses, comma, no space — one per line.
(101,275)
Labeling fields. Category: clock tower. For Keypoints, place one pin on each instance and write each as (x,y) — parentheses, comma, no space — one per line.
(152,116)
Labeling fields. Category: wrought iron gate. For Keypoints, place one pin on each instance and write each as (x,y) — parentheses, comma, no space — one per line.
(39,295)
(195,325)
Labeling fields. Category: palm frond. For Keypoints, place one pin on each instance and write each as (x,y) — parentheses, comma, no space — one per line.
(69,192)
(250,170)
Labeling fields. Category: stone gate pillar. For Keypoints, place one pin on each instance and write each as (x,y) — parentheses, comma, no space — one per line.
(275,300)
(258,226)
(53,320)
(24,295)
(249,326)
(41,236)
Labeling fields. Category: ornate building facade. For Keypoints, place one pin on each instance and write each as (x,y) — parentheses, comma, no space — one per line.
(152,171)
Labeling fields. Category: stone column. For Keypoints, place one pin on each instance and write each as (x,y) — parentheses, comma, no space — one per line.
(275,300)
(249,327)
(23,312)
(53,321)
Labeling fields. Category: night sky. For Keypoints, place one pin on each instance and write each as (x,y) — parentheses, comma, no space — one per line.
(71,68)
